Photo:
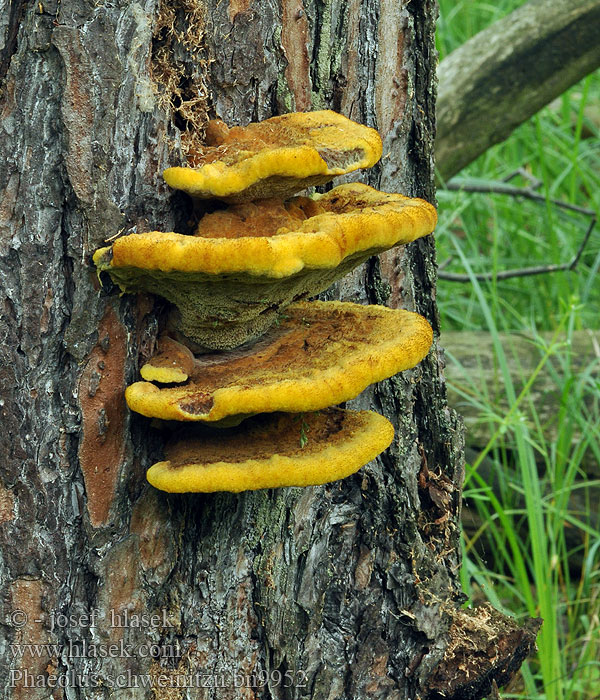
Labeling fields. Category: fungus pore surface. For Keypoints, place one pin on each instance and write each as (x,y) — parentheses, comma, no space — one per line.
(231,280)
(320,354)
(275,158)
(275,450)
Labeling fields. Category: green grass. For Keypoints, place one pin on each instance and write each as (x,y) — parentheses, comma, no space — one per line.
(529,489)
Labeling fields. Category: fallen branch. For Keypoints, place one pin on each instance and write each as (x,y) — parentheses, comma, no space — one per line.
(503,187)
(520,272)
(472,373)
(508,72)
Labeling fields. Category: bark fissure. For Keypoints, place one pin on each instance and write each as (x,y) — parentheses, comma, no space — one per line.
(11,33)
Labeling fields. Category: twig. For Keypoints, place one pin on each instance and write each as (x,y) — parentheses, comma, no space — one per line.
(496,187)
(534,183)
(444,265)
(521,272)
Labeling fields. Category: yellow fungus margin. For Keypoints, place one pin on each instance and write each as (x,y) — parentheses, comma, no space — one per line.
(277,157)
(270,452)
(367,220)
(323,353)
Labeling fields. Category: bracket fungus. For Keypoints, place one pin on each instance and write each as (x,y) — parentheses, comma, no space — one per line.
(322,353)
(275,450)
(237,286)
(276,157)
(231,280)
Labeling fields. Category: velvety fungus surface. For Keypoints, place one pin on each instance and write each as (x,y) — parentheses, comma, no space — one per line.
(275,158)
(318,355)
(230,281)
(274,450)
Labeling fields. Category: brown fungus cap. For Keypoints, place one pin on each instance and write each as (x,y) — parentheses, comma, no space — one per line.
(230,282)
(172,363)
(320,354)
(275,450)
(275,158)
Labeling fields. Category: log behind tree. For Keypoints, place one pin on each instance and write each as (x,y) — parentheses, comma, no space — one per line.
(509,71)
(472,369)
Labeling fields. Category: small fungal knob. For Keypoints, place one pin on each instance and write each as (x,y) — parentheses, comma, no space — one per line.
(216,132)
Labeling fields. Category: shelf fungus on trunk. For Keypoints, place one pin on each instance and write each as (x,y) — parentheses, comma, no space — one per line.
(172,363)
(275,158)
(320,354)
(231,281)
(274,450)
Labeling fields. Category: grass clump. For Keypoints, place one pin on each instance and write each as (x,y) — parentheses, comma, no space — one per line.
(532,547)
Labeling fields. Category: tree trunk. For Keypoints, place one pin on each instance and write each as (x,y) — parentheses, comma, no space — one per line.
(348,590)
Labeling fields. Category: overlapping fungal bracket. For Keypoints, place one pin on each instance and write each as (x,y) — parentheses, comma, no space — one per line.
(321,354)
(276,157)
(274,450)
(236,287)
(231,281)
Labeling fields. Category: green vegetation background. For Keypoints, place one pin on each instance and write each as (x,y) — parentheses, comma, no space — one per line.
(534,547)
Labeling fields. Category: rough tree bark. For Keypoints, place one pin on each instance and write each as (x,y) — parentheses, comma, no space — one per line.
(350,588)
(508,72)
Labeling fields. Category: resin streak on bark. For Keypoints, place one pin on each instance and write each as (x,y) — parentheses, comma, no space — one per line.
(77,111)
(349,78)
(27,598)
(7,505)
(103,437)
(294,40)
(391,76)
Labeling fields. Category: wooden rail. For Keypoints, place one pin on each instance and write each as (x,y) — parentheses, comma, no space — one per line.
(476,385)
